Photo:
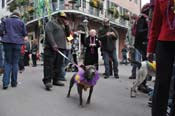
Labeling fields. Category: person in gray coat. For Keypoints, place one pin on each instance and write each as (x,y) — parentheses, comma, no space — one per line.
(56,32)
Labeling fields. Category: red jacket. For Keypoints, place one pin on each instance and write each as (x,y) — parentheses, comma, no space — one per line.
(23,47)
(161,27)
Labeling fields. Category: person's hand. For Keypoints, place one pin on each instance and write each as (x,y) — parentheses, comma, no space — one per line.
(108,33)
(92,45)
(55,48)
(150,56)
(112,33)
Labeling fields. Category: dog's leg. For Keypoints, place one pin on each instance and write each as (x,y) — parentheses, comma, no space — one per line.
(90,93)
(142,73)
(80,92)
(70,86)
(136,83)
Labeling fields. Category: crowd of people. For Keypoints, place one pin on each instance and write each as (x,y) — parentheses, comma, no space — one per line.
(153,35)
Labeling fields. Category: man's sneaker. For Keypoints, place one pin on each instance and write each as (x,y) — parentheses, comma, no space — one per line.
(5,88)
(13,85)
(106,77)
(48,86)
(58,83)
(116,76)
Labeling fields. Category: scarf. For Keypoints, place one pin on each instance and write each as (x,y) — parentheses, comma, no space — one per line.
(92,41)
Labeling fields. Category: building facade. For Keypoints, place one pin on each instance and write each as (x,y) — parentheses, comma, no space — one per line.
(82,14)
(3,8)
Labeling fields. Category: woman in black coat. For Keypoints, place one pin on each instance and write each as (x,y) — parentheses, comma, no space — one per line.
(91,53)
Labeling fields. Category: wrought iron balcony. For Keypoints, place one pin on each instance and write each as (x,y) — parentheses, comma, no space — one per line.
(84,8)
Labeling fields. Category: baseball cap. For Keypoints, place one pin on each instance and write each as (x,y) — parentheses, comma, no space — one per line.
(62,14)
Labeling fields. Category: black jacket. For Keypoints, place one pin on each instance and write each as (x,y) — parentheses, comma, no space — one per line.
(108,42)
(141,37)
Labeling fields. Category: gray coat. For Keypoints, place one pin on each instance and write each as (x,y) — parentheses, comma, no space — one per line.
(56,35)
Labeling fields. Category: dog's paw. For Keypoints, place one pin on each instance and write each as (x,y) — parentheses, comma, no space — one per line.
(132,93)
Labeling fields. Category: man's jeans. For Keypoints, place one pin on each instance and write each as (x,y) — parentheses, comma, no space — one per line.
(107,55)
(137,57)
(12,53)
(1,56)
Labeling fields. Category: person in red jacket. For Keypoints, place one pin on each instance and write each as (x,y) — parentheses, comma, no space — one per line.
(21,59)
(162,42)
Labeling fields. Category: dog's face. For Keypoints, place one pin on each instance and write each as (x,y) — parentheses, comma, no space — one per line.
(89,72)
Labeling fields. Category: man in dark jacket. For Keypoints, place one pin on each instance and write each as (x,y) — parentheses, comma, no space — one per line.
(108,37)
(141,40)
(14,33)
(56,32)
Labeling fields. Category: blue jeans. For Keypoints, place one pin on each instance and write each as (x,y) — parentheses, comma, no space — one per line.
(137,57)
(1,56)
(12,53)
(106,56)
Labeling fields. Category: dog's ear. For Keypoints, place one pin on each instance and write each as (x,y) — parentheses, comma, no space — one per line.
(83,67)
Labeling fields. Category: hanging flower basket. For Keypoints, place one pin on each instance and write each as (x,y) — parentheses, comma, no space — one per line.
(96,3)
(125,17)
(114,12)
(30,9)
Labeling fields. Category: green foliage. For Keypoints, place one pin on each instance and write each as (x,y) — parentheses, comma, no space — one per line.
(114,12)
(12,7)
(96,3)
(21,2)
(30,9)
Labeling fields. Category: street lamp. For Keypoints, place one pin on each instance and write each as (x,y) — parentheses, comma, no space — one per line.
(85,23)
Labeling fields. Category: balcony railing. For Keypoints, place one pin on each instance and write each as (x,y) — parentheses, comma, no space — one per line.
(82,9)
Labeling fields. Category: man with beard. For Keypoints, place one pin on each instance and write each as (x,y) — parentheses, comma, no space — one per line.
(108,36)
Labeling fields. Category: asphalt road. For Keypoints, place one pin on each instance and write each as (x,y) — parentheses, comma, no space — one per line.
(110,97)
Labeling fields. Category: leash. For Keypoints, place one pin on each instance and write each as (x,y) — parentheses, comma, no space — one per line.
(68,58)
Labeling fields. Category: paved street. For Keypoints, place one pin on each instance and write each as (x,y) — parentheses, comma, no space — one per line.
(110,97)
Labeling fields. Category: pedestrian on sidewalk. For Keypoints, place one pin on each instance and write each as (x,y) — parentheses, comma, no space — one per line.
(108,36)
(34,52)
(74,50)
(91,52)
(13,38)
(27,52)
(124,55)
(141,41)
(1,50)
(162,42)
(21,59)
(56,32)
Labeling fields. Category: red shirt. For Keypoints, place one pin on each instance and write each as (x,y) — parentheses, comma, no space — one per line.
(162,28)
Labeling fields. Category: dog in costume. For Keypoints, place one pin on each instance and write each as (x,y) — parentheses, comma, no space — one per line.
(85,78)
